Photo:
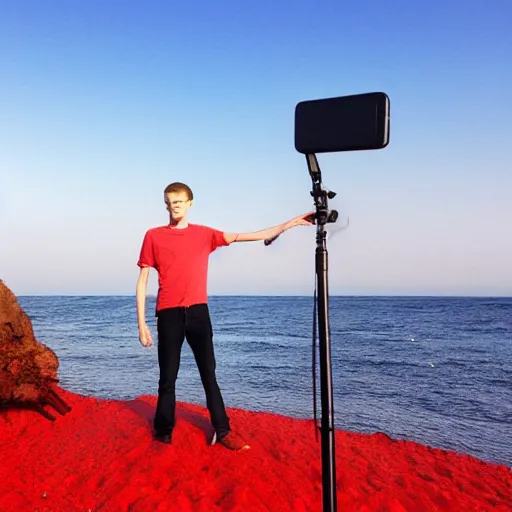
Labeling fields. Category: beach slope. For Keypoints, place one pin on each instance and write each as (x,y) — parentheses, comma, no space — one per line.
(101,457)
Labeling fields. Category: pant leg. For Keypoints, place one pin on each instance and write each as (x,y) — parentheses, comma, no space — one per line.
(171,334)
(199,334)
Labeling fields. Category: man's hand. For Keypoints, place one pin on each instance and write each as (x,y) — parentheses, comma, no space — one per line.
(305,219)
(145,336)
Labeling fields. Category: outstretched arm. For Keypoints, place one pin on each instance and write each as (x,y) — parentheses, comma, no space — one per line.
(264,234)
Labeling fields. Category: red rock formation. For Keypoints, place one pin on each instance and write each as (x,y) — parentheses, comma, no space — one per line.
(28,369)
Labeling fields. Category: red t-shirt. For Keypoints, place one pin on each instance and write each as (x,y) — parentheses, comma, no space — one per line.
(180,256)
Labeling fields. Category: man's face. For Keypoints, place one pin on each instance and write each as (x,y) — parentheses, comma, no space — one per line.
(177,204)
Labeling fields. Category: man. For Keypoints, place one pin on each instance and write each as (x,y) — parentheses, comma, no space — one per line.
(179,252)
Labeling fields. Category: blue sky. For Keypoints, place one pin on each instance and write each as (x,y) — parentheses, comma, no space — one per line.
(105,103)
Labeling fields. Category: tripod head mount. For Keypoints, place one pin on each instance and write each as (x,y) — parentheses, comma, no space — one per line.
(320,194)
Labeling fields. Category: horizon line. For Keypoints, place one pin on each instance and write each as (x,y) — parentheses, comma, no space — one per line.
(369,295)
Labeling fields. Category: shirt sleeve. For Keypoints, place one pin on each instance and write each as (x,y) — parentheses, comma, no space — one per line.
(147,253)
(217,239)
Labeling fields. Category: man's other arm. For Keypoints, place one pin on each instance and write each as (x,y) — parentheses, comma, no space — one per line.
(140,297)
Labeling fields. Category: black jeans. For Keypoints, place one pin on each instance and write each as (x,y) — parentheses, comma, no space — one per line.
(194,324)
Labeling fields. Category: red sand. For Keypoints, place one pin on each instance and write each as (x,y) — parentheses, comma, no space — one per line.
(101,457)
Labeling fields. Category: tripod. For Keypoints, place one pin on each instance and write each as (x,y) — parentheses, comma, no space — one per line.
(323,216)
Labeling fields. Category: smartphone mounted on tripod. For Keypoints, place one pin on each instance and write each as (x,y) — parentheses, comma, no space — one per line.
(348,123)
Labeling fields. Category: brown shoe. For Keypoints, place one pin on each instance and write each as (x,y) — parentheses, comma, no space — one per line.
(233,441)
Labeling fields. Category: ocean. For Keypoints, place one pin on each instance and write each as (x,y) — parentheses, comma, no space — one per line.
(433,370)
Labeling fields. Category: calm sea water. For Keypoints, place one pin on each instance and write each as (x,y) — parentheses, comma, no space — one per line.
(433,370)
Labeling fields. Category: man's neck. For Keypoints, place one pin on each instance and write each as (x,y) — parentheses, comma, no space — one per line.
(178,224)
